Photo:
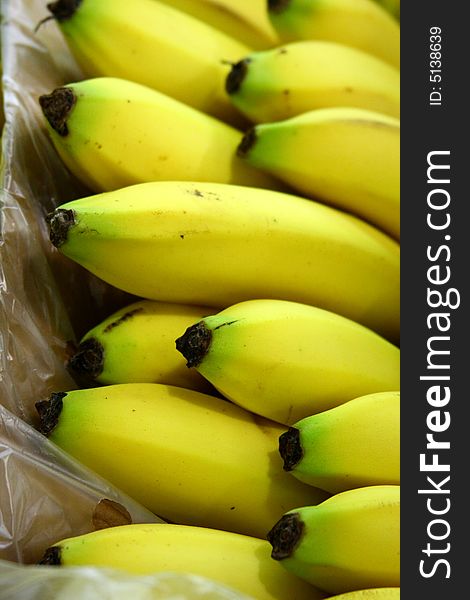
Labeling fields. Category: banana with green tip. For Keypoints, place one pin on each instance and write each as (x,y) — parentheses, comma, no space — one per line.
(153,44)
(346,157)
(112,133)
(215,245)
(362,24)
(380,593)
(283,82)
(393,7)
(244,20)
(352,445)
(136,344)
(189,457)
(351,541)
(241,562)
(287,361)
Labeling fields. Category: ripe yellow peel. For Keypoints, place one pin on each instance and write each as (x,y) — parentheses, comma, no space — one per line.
(189,457)
(240,562)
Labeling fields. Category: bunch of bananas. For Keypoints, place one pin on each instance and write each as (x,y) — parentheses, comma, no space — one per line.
(243,166)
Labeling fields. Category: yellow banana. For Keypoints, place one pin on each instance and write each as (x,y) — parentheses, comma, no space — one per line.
(347,157)
(189,457)
(241,562)
(363,24)
(287,361)
(353,445)
(215,245)
(381,593)
(112,133)
(153,44)
(276,84)
(351,541)
(136,344)
(244,20)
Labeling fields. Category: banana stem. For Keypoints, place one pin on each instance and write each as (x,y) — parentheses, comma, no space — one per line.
(63,9)
(88,360)
(236,76)
(285,536)
(277,6)
(51,557)
(57,107)
(194,343)
(49,412)
(248,141)
(60,221)
(290,448)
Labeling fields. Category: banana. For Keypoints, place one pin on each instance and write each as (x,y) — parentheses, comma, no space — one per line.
(112,133)
(244,20)
(287,361)
(353,445)
(238,561)
(215,245)
(381,593)
(351,541)
(276,84)
(189,457)
(136,344)
(347,157)
(153,44)
(362,24)
(393,7)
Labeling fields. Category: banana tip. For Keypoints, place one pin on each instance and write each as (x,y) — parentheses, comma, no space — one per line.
(236,76)
(88,360)
(62,10)
(248,141)
(285,536)
(56,108)
(60,221)
(276,6)
(290,448)
(51,556)
(49,412)
(194,343)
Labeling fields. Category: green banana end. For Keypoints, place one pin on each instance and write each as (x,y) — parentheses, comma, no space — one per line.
(88,361)
(194,343)
(57,107)
(49,412)
(247,143)
(290,448)
(236,76)
(277,6)
(285,536)
(51,557)
(60,221)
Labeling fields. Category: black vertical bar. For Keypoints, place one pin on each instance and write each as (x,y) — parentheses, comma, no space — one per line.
(435,270)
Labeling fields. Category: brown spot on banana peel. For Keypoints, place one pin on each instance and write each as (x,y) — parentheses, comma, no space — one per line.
(285,536)
(88,360)
(248,141)
(290,448)
(126,316)
(51,557)
(49,412)
(236,76)
(57,107)
(60,221)
(194,343)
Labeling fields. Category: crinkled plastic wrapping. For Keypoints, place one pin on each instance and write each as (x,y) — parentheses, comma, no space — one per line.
(82,583)
(46,303)
(46,495)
